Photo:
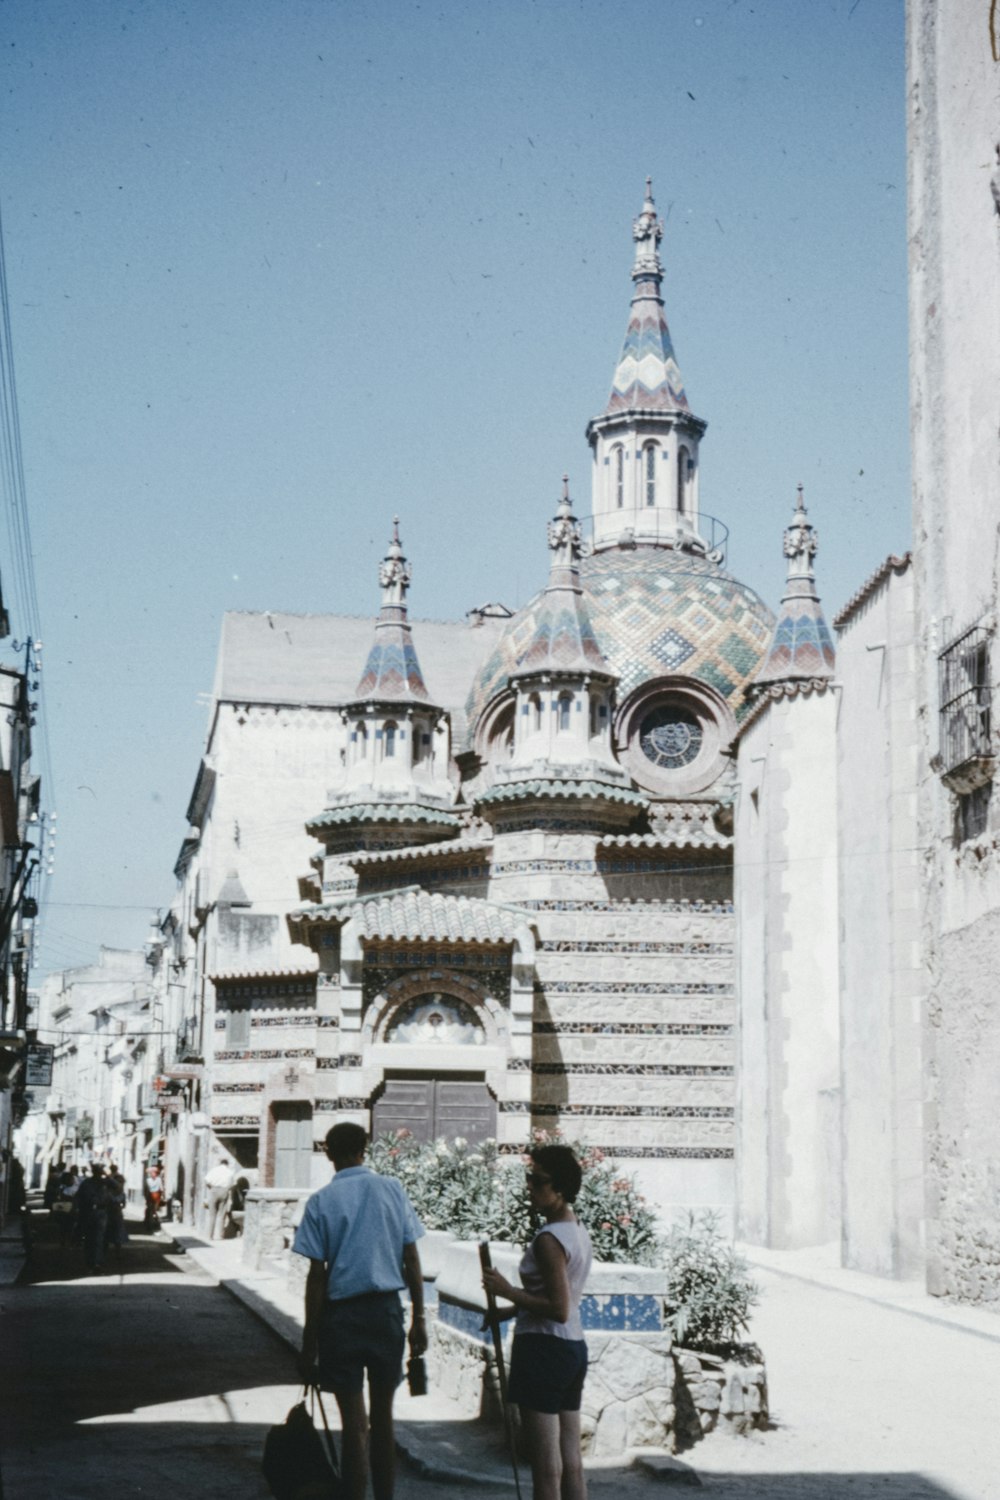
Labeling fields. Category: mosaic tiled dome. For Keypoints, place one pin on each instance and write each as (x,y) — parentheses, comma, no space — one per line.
(656,613)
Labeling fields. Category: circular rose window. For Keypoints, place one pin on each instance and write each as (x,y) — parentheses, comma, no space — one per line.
(670,737)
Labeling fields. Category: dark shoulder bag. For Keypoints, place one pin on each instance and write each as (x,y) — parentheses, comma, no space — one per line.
(298,1464)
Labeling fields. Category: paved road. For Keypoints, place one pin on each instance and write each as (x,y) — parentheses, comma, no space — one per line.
(157,1380)
(149,1379)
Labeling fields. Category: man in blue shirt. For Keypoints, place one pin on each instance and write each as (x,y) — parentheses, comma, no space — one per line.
(360,1234)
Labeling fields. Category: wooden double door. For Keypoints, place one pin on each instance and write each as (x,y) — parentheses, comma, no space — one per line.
(433,1107)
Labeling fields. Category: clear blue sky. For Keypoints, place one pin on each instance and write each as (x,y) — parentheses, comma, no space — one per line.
(279,270)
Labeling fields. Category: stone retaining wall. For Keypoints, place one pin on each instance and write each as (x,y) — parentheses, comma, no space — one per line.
(269,1226)
(715,1392)
(641,1391)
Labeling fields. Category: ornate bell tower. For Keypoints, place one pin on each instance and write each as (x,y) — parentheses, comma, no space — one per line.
(645,443)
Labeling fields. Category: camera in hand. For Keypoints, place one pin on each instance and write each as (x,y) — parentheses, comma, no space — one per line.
(416,1375)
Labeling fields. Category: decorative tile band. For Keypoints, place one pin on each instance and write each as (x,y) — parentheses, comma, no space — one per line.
(233,1121)
(260,1054)
(444,876)
(620,1151)
(612,987)
(293,1018)
(286,990)
(680,908)
(632,1312)
(620,1111)
(388,955)
(628,1028)
(237,1088)
(631,1070)
(687,949)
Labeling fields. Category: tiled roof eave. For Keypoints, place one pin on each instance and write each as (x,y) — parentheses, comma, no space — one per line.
(566,791)
(446,848)
(414,915)
(382,812)
(692,840)
(232,976)
(892,564)
(771,692)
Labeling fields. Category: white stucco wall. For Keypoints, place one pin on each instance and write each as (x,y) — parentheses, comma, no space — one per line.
(881,978)
(954,124)
(788,1167)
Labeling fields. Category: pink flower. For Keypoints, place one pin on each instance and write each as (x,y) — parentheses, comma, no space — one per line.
(606,1224)
(624,1218)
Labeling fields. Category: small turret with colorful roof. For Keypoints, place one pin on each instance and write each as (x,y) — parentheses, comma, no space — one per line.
(564,699)
(395,786)
(801,646)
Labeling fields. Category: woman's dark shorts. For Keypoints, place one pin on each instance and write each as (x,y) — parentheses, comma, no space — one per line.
(358,1334)
(546,1373)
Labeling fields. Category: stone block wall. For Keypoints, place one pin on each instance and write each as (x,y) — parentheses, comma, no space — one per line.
(269,1226)
(714,1392)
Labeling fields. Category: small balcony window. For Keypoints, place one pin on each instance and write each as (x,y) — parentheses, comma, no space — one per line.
(965,700)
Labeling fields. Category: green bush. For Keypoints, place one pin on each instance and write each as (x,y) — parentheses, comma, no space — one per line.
(478,1193)
(710,1291)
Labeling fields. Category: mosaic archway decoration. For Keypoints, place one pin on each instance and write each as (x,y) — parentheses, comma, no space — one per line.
(435,1020)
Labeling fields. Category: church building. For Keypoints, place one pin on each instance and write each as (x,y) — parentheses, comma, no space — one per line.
(522,913)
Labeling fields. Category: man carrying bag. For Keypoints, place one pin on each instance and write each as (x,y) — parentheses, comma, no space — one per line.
(360,1235)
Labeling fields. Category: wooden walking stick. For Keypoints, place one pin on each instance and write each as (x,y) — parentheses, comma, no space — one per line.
(491,1305)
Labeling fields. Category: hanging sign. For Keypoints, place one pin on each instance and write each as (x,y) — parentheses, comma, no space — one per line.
(38,1065)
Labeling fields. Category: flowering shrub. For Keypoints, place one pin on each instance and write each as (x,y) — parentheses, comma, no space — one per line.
(477,1193)
(710,1291)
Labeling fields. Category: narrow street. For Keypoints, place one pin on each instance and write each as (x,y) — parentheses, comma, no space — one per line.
(150,1377)
(137,1380)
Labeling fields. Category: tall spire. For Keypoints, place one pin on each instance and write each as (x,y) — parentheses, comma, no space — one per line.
(801,646)
(392,672)
(563,638)
(645,442)
(647,377)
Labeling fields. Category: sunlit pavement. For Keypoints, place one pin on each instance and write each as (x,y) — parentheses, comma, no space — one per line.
(150,1377)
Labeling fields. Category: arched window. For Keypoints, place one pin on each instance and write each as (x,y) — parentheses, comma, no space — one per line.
(389,741)
(565,710)
(536,712)
(618,468)
(649,453)
(360,742)
(421,741)
(683,470)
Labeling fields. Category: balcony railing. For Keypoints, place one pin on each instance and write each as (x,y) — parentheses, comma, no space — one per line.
(655,526)
(965,696)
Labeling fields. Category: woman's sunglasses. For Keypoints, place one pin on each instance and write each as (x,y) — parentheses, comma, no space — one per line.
(537,1179)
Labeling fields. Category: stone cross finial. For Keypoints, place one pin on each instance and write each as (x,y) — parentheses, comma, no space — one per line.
(647,231)
(564,529)
(394,571)
(800,544)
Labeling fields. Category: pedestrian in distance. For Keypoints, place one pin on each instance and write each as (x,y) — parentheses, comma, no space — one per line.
(360,1235)
(93,1202)
(116,1233)
(64,1205)
(152,1192)
(548,1359)
(218,1184)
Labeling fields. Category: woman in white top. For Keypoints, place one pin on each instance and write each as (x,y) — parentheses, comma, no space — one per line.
(549,1356)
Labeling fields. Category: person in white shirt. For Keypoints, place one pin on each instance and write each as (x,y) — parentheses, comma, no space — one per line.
(218,1182)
